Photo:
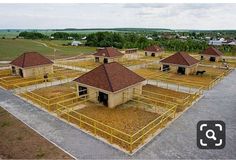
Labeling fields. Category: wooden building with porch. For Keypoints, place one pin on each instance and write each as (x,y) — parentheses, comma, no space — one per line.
(113,84)
(181,63)
(153,51)
(107,55)
(31,64)
(212,54)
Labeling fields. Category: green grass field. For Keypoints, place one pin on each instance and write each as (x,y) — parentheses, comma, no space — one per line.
(10,49)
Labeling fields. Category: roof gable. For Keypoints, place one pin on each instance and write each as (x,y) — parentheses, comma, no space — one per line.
(30,59)
(212,51)
(180,58)
(108,52)
(153,48)
(110,77)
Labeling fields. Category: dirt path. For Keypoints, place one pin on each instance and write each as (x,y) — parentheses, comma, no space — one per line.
(18,141)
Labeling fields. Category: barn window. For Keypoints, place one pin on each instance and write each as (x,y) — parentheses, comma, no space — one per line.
(166,67)
(96,59)
(82,90)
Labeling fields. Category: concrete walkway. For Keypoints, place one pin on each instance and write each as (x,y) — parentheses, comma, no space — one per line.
(177,141)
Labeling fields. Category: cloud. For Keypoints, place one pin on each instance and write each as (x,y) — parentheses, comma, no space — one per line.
(174,16)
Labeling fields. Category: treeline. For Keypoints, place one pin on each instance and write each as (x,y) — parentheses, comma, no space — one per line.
(118,40)
(33,35)
(131,40)
(66,35)
(189,45)
(56,35)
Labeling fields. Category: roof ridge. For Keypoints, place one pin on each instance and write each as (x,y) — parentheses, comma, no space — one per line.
(107,52)
(23,64)
(181,53)
(108,78)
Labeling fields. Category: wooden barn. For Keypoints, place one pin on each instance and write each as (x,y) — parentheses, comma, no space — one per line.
(181,63)
(153,51)
(31,64)
(211,54)
(113,84)
(107,55)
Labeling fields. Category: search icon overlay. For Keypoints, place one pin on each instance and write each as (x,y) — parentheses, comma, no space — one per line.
(211,134)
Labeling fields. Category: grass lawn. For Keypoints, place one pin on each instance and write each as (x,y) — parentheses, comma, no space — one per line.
(10,49)
(18,141)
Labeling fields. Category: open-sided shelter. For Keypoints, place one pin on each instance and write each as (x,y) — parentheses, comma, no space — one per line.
(131,51)
(153,51)
(180,62)
(107,55)
(113,84)
(31,64)
(211,54)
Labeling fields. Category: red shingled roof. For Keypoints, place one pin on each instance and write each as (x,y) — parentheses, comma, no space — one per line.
(180,58)
(110,77)
(30,59)
(212,51)
(108,52)
(153,48)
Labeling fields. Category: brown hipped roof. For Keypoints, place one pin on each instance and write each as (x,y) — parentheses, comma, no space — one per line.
(110,77)
(108,52)
(212,51)
(153,48)
(180,58)
(30,59)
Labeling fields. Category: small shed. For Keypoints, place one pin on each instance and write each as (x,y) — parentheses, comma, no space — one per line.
(153,51)
(180,62)
(131,51)
(107,55)
(211,54)
(31,64)
(113,84)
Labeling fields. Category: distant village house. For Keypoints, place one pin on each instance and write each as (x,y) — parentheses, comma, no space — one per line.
(76,43)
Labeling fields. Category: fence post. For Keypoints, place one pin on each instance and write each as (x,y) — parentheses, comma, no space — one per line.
(80,124)
(95,129)
(111,135)
(131,144)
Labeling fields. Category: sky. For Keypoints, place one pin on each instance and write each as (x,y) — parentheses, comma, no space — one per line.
(170,16)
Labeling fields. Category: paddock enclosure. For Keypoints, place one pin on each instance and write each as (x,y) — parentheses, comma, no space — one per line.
(207,80)
(162,97)
(128,126)
(9,81)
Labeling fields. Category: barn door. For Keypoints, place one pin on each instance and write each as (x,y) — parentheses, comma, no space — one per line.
(21,72)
